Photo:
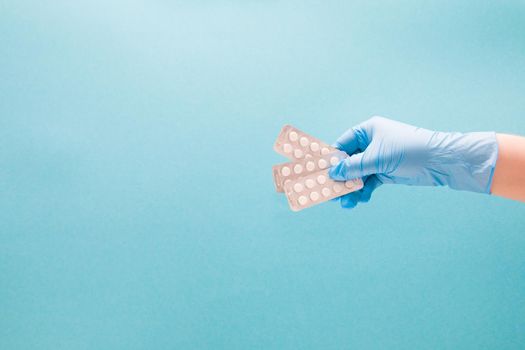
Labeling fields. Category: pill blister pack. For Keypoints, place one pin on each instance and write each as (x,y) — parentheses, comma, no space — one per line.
(317,188)
(286,172)
(305,180)
(295,144)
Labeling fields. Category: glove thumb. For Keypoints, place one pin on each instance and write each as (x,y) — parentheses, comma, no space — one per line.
(353,167)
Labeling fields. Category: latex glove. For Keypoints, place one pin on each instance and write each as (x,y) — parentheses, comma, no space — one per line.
(385,151)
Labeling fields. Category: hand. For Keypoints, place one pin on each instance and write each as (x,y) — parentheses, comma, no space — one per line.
(384,151)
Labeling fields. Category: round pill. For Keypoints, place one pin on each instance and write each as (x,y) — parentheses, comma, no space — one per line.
(287,148)
(298,187)
(325,151)
(338,188)
(321,179)
(314,196)
(302,200)
(285,171)
(309,183)
(298,168)
(304,141)
(323,164)
(334,160)
(314,146)
(326,191)
(298,153)
(292,136)
(310,166)
(349,184)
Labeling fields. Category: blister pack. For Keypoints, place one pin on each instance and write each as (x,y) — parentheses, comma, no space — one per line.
(286,172)
(305,180)
(317,188)
(296,144)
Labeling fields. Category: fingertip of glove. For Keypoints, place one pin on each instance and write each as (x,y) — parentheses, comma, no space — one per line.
(337,145)
(348,203)
(332,172)
(335,172)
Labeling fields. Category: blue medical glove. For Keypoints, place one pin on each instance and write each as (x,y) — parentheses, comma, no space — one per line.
(384,151)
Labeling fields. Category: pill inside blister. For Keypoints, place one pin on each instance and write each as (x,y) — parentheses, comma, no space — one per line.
(323,164)
(302,200)
(310,166)
(338,188)
(314,146)
(298,153)
(304,141)
(314,196)
(325,151)
(292,136)
(287,148)
(326,191)
(321,179)
(349,184)
(298,168)
(334,160)
(285,171)
(298,187)
(309,183)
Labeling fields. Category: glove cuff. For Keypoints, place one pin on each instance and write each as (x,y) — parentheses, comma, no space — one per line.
(478,154)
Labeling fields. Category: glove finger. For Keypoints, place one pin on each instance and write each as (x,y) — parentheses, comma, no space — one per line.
(352,141)
(371,184)
(350,200)
(353,167)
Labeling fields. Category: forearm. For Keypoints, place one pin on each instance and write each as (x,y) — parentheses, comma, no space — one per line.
(509,176)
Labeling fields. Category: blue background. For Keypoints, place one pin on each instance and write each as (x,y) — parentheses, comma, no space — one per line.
(137,209)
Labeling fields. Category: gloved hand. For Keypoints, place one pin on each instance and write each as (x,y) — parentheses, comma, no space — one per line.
(385,151)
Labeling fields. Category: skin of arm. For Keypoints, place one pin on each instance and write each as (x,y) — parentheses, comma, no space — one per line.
(509,175)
